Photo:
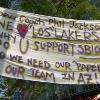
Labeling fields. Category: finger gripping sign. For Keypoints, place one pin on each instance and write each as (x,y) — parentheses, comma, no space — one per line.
(49,49)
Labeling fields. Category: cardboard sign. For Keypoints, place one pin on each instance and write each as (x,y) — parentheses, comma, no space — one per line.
(49,49)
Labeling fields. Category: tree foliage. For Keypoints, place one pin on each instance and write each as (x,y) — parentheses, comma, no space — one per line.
(77,9)
(5,3)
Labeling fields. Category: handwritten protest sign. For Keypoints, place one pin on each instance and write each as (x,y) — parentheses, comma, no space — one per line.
(49,49)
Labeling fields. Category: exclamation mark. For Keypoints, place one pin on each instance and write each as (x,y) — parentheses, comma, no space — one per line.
(96,77)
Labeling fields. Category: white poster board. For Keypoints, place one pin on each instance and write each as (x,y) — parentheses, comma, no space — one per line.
(49,49)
